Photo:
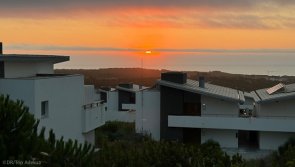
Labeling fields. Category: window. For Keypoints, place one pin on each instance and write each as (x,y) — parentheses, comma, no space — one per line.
(44,109)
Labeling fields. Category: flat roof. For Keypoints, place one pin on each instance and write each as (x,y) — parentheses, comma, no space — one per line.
(209,90)
(42,77)
(135,88)
(33,58)
(263,96)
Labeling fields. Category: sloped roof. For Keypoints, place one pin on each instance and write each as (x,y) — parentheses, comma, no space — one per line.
(263,96)
(33,58)
(209,90)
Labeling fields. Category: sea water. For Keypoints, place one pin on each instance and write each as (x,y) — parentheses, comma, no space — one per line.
(260,64)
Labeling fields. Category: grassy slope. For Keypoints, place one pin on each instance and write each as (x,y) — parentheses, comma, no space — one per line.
(113,76)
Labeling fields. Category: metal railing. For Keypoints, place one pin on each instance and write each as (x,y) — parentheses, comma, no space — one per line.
(93,105)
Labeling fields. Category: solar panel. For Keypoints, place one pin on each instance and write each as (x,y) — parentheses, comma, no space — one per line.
(275,88)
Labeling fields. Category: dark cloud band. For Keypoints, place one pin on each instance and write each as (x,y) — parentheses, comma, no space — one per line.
(29,47)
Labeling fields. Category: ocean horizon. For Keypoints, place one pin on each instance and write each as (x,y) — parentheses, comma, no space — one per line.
(264,64)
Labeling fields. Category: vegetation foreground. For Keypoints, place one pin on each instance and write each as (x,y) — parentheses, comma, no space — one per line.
(118,144)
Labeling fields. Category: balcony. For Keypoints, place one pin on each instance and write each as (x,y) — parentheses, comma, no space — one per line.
(279,124)
(129,107)
(94,116)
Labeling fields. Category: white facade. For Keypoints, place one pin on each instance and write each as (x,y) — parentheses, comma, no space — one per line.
(93,113)
(65,101)
(27,69)
(217,107)
(60,102)
(226,138)
(272,140)
(113,113)
(282,108)
(234,124)
(148,113)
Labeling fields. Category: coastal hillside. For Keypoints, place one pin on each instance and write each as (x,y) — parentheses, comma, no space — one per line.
(147,77)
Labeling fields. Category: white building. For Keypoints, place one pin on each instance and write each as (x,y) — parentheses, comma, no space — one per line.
(194,111)
(121,102)
(60,101)
(275,115)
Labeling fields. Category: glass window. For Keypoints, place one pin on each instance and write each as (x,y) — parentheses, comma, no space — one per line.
(44,109)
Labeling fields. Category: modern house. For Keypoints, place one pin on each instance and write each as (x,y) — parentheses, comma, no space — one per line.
(120,101)
(194,111)
(60,101)
(275,115)
(176,108)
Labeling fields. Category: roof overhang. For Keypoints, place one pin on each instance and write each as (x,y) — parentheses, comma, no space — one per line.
(23,58)
(131,90)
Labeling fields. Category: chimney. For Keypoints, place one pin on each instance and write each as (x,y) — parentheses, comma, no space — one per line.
(202,82)
(1,48)
(176,77)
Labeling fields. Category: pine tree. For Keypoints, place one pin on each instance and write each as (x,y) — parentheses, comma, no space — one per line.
(19,140)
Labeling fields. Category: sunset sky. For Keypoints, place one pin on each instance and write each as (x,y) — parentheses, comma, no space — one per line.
(131,27)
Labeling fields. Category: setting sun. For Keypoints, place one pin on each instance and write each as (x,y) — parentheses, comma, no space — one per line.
(148,52)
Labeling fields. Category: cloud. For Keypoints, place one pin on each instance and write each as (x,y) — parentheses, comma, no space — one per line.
(237,14)
(21,7)
(123,3)
(29,47)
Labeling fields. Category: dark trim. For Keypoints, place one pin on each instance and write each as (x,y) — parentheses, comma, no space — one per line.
(2,69)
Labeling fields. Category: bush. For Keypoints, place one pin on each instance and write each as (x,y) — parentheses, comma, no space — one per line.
(285,156)
(143,151)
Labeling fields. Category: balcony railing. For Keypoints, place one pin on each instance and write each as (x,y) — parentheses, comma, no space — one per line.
(93,115)
(237,123)
(129,107)
(93,105)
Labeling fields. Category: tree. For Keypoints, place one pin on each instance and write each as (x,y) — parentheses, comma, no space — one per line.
(19,140)
(18,131)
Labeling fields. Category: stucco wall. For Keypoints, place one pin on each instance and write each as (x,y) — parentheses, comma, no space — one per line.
(113,114)
(90,137)
(26,69)
(215,107)
(89,94)
(226,138)
(272,140)
(148,113)
(18,89)
(284,108)
(65,96)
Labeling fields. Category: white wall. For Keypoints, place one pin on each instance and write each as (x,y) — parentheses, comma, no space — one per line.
(239,123)
(90,137)
(226,138)
(148,113)
(18,89)
(93,117)
(26,69)
(272,140)
(65,96)
(113,113)
(284,108)
(89,96)
(217,107)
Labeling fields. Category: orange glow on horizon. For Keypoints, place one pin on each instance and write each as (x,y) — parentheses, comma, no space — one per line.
(148,52)
(142,29)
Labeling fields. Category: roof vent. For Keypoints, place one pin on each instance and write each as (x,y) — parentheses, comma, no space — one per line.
(276,89)
(176,77)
